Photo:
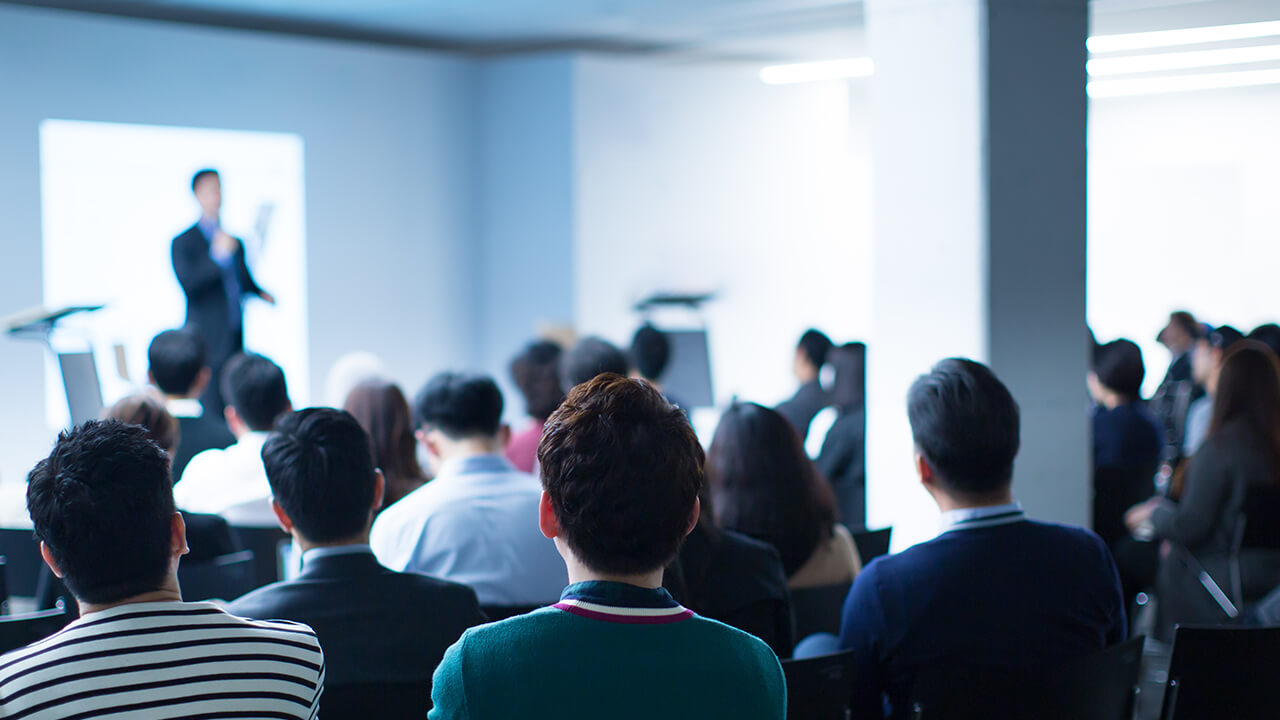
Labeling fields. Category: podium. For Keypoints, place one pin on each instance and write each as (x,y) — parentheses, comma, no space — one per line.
(79,370)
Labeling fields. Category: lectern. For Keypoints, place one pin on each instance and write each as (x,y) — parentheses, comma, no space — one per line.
(79,371)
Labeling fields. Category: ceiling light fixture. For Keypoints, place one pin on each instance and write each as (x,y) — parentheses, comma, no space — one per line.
(814,71)
(1099,67)
(1182,83)
(1185,36)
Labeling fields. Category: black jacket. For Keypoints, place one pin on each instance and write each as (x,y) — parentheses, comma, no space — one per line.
(208,310)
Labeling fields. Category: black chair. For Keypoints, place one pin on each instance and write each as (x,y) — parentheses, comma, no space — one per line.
(502,612)
(264,543)
(22,560)
(4,586)
(1255,543)
(223,578)
(1223,673)
(386,701)
(21,630)
(872,544)
(818,687)
(818,609)
(1100,687)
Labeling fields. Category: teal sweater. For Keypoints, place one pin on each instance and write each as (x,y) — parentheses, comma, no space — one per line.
(608,650)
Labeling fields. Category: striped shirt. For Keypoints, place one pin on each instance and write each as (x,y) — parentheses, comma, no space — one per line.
(165,660)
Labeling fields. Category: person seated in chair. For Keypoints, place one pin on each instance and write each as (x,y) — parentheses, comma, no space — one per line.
(621,472)
(377,626)
(178,368)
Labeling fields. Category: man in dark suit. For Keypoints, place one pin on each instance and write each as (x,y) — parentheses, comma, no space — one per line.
(178,368)
(210,266)
(375,625)
(994,589)
(810,398)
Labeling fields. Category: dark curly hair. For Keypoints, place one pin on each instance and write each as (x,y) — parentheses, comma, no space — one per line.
(622,468)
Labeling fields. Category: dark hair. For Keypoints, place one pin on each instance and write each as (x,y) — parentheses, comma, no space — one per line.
(176,357)
(319,464)
(650,351)
(536,372)
(815,344)
(460,405)
(103,504)
(850,390)
(622,468)
(763,484)
(1248,397)
(200,175)
(1269,335)
(255,387)
(965,424)
(148,413)
(1119,367)
(381,409)
(590,357)
(1224,337)
(1187,322)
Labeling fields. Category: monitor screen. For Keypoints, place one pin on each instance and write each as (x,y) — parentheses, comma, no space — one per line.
(688,374)
(84,393)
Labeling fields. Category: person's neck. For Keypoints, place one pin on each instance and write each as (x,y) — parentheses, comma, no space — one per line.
(469,447)
(304,544)
(168,593)
(949,501)
(578,572)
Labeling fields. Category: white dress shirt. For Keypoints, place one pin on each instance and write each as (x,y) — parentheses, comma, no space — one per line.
(476,523)
(231,483)
(981,517)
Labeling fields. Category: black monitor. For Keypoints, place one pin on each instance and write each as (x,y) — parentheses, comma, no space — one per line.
(688,373)
(84,393)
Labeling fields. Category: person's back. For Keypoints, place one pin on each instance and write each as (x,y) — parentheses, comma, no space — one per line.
(178,367)
(198,434)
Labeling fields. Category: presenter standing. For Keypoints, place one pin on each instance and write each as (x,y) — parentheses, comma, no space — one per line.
(211,268)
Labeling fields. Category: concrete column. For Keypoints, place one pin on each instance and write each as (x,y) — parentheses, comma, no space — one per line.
(978,120)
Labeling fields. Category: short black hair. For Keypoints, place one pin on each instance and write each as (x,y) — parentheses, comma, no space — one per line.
(650,351)
(536,371)
(175,358)
(1119,367)
(1224,337)
(102,502)
(200,175)
(590,357)
(319,464)
(622,468)
(966,425)
(1269,335)
(460,405)
(815,344)
(254,386)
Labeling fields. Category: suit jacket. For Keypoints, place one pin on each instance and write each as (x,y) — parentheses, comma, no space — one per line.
(375,625)
(197,434)
(208,309)
(842,461)
(803,406)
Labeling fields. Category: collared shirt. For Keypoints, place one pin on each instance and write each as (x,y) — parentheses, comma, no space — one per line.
(184,407)
(323,552)
(209,227)
(231,483)
(1199,418)
(981,517)
(476,523)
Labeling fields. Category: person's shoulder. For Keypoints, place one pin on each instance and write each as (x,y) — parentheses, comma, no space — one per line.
(189,234)
(719,640)
(1060,534)
(430,587)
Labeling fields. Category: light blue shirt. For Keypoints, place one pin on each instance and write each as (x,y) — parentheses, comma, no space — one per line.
(1199,417)
(972,518)
(476,523)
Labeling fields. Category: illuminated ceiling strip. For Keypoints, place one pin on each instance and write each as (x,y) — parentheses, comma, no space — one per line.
(1185,36)
(814,71)
(1182,83)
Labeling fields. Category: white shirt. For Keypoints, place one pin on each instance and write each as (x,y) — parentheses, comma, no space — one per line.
(981,517)
(476,523)
(231,483)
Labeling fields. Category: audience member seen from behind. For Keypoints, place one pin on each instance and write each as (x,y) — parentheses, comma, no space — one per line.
(1206,365)
(1178,390)
(102,507)
(1269,335)
(378,627)
(591,356)
(650,356)
(232,482)
(842,458)
(536,372)
(1125,435)
(621,471)
(381,409)
(810,398)
(994,589)
(476,523)
(765,487)
(179,369)
(1241,452)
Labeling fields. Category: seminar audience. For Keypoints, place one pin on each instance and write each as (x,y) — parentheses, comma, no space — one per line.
(102,507)
(179,369)
(381,409)
(994,589)
(591,356)
(810,398)
(621,471)
(842,457)
(476,522)
(376,626)
(1125,435)
(1206,366)
(232,482)
(536,372)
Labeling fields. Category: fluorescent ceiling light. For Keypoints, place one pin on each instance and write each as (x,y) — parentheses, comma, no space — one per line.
(1182,83)
(1186,36)
(1182,60)
(813,71)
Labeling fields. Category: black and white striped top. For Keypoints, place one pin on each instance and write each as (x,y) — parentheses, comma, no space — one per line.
(165,660)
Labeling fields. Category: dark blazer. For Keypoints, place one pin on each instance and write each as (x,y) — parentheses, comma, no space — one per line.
(843,461)
(803,406)
(375,625)
(197,434)
(208,310)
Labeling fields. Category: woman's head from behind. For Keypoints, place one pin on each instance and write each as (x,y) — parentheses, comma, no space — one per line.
(382,410)
(148,411)
(762,484)
(1249,395)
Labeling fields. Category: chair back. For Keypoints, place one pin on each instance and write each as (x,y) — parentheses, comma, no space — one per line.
(1223,673)
(818,688)
(21,551)
(818,609)
(222,578)
(502,612)
(21,630)
(264,542)
(1115,490)
(4,586)
(1261,518)
(872,544)
(386,701)
(1101,686)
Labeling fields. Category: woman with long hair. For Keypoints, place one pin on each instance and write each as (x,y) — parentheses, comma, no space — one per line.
(381,409)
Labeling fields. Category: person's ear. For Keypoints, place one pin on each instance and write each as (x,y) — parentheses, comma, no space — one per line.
(48,560)
(234,423)
(504,435)
(178,536)
(924,470)
(202,381)
(432,441)
(282,517)
(379,491)
(697,513)
(547,521)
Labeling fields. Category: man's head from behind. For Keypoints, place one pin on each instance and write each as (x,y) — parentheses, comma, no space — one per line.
(207,187)
(536,371)
(177,363)
(459,414)
(966,429)
(255,392)
(590,357)
(319,462)
(650,352)
(811,355)
(621,471)
(102,507)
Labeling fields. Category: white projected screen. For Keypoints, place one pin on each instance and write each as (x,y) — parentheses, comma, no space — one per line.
(113,198)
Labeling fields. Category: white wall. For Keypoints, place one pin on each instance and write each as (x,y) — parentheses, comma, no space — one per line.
(389,176)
